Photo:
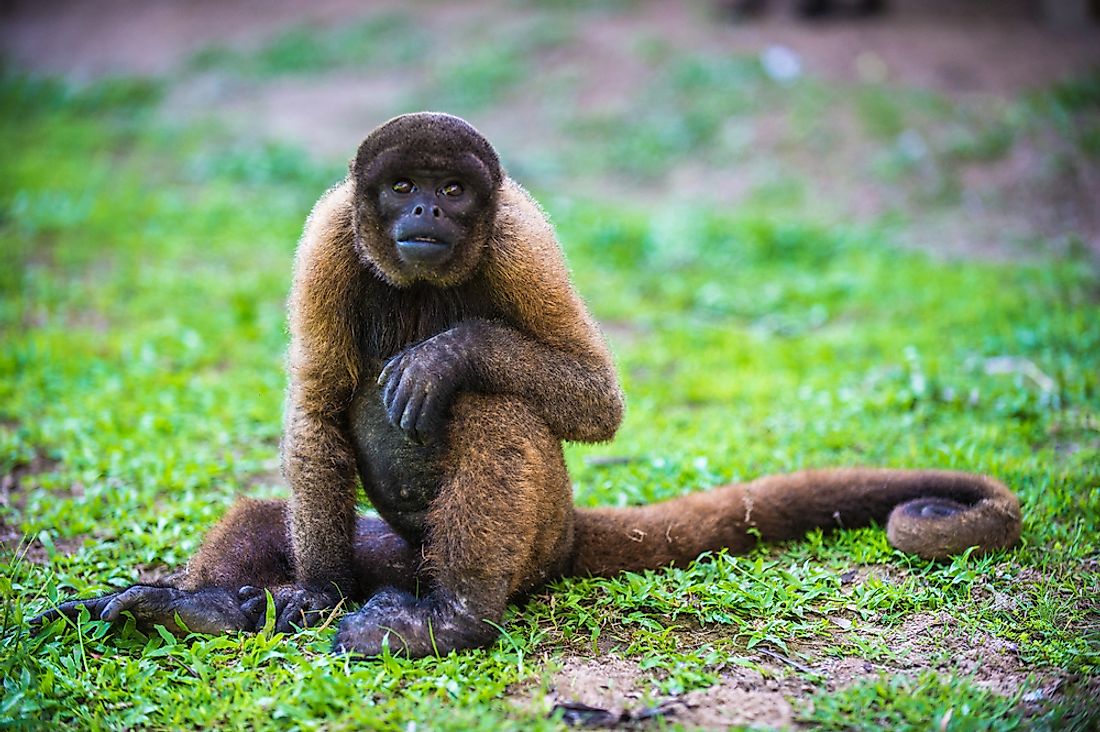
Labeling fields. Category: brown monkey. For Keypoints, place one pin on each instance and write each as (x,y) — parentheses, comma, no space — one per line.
(440,354)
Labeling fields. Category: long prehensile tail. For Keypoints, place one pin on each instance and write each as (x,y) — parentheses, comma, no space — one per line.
(931,513)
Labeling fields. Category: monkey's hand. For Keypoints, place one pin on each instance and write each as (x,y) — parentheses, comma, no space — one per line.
(295,607)
(419,384)
(211,611)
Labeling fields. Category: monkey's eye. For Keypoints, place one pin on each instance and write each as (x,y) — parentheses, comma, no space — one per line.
(452,189)
(402,186)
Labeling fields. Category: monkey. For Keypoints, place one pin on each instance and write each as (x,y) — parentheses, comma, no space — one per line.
(439,357)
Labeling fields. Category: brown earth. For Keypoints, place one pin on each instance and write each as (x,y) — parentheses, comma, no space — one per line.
(761,687)
(1039,196)
(13,485)
(954,46)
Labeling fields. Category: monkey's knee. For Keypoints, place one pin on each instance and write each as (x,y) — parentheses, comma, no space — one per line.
(502,523)
(498,419)
(249,546)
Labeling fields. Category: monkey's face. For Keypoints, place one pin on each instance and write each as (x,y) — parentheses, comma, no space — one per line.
(426,190)
(428,215)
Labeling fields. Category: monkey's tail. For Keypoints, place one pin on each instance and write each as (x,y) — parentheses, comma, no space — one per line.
(931,513)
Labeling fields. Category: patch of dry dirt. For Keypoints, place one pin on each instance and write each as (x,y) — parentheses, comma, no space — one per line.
(10,483)
(964,46)
(12,487)
(14,543)
(772,688)
(742,696)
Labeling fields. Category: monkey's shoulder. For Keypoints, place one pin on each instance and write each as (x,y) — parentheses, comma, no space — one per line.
(521,221)
(524,251)
(332,216)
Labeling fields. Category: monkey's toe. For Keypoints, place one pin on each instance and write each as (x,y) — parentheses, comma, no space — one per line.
(298,607)
(71,610)
(210,610)
(412,627)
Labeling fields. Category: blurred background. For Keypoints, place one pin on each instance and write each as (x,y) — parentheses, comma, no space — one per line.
(977,117)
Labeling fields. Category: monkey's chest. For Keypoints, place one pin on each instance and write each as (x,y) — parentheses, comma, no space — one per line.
(399,477)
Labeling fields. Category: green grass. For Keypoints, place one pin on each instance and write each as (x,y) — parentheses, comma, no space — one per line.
(141,374)
(387,40)
(904,704)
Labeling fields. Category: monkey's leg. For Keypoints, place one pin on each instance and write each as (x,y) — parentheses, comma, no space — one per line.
(500,526)
(222,589)
(249,553)
(211,610)
(243,548)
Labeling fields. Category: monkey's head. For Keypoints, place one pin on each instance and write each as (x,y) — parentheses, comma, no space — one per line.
(426,187)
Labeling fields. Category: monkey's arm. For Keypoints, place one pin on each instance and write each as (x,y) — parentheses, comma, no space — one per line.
(317,456)
(544,346)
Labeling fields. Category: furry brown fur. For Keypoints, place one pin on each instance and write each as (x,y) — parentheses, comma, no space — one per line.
(444,372)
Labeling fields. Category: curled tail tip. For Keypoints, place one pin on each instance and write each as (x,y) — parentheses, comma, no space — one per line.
(938,528)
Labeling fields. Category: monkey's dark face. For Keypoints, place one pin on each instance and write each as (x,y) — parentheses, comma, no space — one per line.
(428,214)
(426,196)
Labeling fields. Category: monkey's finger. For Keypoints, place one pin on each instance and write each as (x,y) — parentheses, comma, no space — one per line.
(395,370)
(113,610)
(144,602)
(411,415)
(401,398)
(248,592)
(123,601)
(290,619)
(255,607)
(389,368)
(44,618)
(429,423)
(71,610)
(65,610)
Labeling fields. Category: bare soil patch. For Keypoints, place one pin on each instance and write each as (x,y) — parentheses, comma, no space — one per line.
(15,544)
(13,485)
(968,46)
(765,688)
(11,482)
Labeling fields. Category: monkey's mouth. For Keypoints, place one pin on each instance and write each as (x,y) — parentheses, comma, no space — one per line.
(423,250)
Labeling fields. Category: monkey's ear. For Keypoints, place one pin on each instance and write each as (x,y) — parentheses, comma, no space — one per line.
(369,165)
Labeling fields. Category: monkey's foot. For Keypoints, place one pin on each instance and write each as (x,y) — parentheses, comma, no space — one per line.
(211,610)
(295,607)
(433,626)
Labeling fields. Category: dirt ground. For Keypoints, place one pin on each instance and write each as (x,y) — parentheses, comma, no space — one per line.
(966,46)
(767,687)
(966,49)
(771,690)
